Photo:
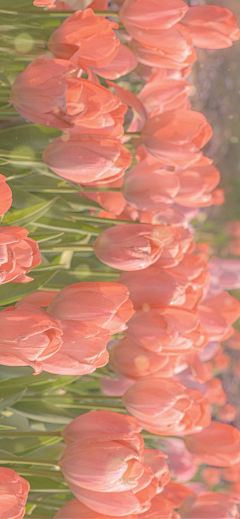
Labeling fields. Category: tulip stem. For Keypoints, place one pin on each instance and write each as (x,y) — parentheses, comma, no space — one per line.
(10,434)
(50,490)
(132,134)
(28,461)
(96,219)
(68,395)
(41,473)
(54,14)
(76,248)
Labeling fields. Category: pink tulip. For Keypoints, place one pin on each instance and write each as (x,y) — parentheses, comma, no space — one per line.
(211,26)
(161,95)
(225,304)
(5,196)
(105,452)
(169,331)
(18,255)
(176,493)
(115,386)
(13,494)
(104,304)
(176,137)
(161,508)
(196,186)
(166,407)
(123,63)
(169,48)
(49,92)
(85,39)
(85,159)
(225,274)
(41,298)
(132,247)
(180,461)
(29,335)
(112,201)
(74,509)
(101,426)
(212,505)
(216,445)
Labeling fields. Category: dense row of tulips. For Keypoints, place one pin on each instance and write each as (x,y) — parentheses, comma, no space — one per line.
(169,309)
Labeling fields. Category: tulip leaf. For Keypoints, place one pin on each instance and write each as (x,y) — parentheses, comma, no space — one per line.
(12,292)
(44,412)
(27,215)
(67,226)
(10,397)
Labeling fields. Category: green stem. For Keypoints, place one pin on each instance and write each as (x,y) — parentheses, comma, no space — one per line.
(96,219)
(12,434)
(132,134)
(32,516)
(69,396)
(116,409)
(50,490)
(43,505)
(111,275)
(28,461)
(41,473)
(54,14)
(76,248)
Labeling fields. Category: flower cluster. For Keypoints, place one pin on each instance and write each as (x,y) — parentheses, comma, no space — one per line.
(169,309)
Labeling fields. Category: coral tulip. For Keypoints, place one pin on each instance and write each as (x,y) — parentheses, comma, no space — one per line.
(176,493)
(18,255)
(5,196)
(166,407)
(227,306)
(160,95)
(87,158)
(48,92)
(161,508)
(13,494)
(225,274)
(29,335)
(210,505)
(106,452)
(176,137)
(104,304)
(180,462)
(144,15)
(171,331)
(85,39)
(83,350)
(216,445)
(211,26)
(132,247)
(74,509)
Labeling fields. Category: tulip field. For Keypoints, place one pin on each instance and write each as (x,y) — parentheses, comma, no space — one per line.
(119,259)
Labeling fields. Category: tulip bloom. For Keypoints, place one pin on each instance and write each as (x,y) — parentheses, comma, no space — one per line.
(225,274)
(210,504)
(216,445)
(85,39)
(104,304)
(29,335)
(18,255)
(13,494)
(161,95)
(169,331)
(86,159)
(74,509)
(181,463)
(5,196)
(83,350)
(105,451)
(132,247)
(211,26)
(176,137)
(176,493)
(166,407)
(48,92)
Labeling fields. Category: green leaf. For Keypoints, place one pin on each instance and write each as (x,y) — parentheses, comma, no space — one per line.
(67,226)
(27,215)
(10,397)
(12,292)
(44,412)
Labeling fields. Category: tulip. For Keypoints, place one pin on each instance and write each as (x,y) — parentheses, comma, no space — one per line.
(170,331)
(161,95)
(161,508)
(5,196)
(176,493)
(171,49)
(13,494)
(85,159)
(211,476)
(196,186)
(216,445)
(115,386)
(132,247)
(18,254)
(228,413)
(85,39)
(166,407)
(48,92)
(140,16)
(225,304)
(41,298)
(212,505)
(105,451)
(112,201)
(104,304)
(225,274)
(74,509)
(123,63)
(211,26)
(83,350)
(29,335)
(180,462)
(234,341)
(176,137)
(132,361)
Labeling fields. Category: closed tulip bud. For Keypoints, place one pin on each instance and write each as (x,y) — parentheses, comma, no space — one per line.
(132,247)
(49,92)
(160,95)
(211,26)
(5,196)
(104,304)
(85,159)
(29,335)
(13,494)
(216,445)
(210,504)
(166,407)
(18,255)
